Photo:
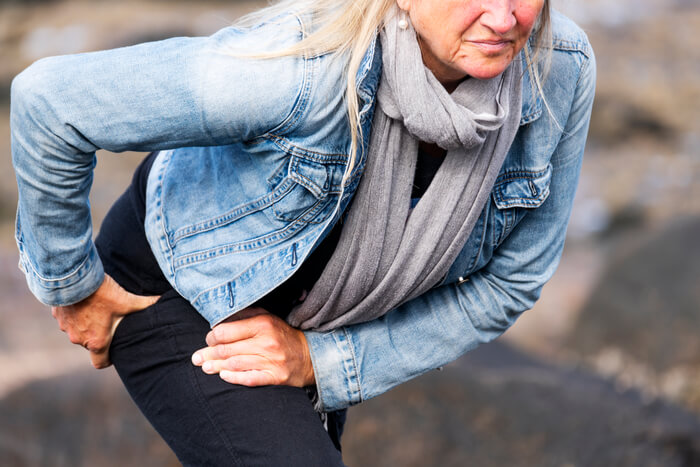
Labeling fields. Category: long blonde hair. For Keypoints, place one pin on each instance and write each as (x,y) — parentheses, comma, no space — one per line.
(349,27)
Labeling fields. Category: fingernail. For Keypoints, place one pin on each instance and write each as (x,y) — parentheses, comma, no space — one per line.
(207,366)
(197,359)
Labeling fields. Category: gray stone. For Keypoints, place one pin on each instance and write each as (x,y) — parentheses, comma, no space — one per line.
(497,407)
(647,302)
(86,418)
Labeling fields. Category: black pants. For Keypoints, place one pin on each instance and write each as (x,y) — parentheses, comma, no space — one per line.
(205,420)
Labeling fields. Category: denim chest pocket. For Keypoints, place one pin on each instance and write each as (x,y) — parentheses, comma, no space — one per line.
(305,191)
(514,193)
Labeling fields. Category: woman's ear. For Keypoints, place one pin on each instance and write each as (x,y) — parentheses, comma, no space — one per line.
(405,5)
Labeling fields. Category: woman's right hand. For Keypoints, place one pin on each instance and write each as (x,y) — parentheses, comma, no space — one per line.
(91,322)
(256,348)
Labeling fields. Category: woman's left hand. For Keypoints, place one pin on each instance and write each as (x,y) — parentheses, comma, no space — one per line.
(256,348)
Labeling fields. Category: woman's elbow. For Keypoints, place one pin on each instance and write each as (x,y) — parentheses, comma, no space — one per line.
(508,301)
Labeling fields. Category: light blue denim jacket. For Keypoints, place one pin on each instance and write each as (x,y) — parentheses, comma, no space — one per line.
(249,180)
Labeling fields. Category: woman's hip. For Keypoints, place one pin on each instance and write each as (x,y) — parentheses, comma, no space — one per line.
(204,419)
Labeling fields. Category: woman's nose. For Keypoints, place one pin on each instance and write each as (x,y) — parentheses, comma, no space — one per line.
(499,15)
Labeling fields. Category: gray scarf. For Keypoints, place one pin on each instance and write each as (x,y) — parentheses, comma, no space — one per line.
(387,253)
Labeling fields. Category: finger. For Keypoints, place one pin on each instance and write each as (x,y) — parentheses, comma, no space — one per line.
(231,332)
(204,355)
(139,302)
(224,351)
(239,363)
(126,301)
(100,360)
(212,367)
(247,378)
(100,356)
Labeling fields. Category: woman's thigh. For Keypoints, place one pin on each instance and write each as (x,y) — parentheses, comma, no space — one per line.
(205,420)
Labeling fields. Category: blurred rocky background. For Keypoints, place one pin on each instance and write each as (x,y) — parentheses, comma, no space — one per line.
(605,371)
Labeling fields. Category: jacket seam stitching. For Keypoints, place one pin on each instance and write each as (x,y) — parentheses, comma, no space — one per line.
(566,45)
(286,145)
(582,70)
(256,205)
(354,364)
(45,281)
(190,259)
(300,102)
(166,238)
(519,175)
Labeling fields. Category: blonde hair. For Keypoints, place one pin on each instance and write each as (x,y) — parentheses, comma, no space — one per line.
(349,27)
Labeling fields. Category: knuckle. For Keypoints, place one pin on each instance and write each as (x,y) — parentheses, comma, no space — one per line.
(98,345)
(208,353)
(219,333)
(250,379)
(272,344)
(268,377)
(222,351)
(210,339)
(283,376)
(264,323)
(232,363)
(74,338)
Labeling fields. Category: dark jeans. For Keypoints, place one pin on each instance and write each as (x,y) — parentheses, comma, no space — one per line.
(205,420)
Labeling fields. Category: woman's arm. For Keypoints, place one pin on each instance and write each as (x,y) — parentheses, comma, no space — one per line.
(356,363)
(174,93)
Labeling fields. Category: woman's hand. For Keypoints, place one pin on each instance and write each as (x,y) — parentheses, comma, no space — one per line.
(92,321)
(256,348)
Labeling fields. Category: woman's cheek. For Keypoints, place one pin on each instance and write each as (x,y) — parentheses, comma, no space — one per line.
(528,12)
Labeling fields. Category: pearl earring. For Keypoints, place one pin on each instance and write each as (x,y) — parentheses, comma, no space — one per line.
(403,22)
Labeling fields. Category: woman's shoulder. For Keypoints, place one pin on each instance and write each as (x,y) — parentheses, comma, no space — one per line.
(567,36)
(261,36)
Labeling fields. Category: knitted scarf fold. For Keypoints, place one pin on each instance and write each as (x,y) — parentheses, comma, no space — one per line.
(387,253)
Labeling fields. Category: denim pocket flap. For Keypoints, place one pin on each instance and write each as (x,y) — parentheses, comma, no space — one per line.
(522,188)
(311,175)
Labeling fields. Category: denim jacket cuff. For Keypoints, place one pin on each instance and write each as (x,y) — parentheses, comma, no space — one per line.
(69,289)
(335,368)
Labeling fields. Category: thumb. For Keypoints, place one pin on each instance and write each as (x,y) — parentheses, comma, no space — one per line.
(138,302)
(123,301)
(100,359)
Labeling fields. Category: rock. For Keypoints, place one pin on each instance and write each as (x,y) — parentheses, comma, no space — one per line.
(642,321)
(647,303)
(86,418)
(497,407)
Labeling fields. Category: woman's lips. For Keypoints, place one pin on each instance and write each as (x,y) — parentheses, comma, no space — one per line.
(491,47)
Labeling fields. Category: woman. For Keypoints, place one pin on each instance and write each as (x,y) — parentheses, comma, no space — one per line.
(259,154)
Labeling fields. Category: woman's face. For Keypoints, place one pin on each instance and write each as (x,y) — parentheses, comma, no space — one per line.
(477,38)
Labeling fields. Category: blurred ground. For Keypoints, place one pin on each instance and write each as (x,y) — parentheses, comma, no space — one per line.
(604,371)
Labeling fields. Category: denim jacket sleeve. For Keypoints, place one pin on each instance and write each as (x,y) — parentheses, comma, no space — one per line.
(168,94)
(358,362)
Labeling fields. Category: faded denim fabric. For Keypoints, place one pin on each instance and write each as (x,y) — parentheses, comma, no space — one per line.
(248,181)
(512,252)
